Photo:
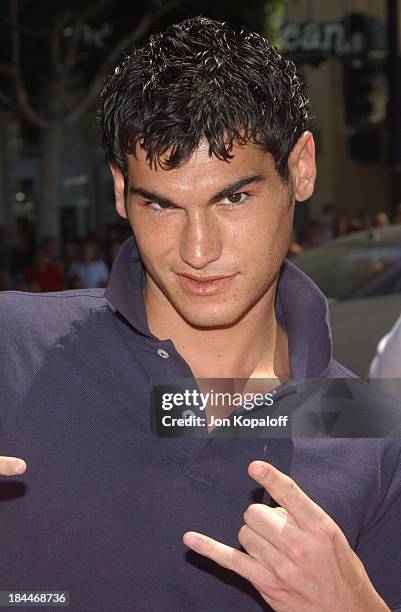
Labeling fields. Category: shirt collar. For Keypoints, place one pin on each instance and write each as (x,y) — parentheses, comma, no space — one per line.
(301,310)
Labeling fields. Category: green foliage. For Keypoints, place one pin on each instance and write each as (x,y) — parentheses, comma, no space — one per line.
(274,17)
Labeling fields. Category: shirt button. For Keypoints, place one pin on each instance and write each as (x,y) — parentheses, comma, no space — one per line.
(162,353)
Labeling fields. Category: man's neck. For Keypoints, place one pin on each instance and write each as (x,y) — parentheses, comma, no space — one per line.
(254,347)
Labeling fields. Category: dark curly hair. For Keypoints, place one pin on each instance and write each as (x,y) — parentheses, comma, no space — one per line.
(202,79)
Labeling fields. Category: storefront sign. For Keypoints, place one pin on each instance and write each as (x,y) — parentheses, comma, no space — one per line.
(324,37)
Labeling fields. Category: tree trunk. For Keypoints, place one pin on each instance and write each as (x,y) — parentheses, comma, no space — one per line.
(48,203)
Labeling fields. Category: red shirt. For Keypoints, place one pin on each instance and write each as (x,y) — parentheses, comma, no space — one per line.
(48,279)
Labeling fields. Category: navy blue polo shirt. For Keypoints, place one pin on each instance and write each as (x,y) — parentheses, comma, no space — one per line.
(104,503)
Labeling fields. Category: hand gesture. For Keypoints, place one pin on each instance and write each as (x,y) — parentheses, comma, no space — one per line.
(298,557)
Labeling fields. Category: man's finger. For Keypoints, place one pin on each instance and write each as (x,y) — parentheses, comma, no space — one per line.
(230,558)
(271,525)
(11,466)
(260,549)
(286,493)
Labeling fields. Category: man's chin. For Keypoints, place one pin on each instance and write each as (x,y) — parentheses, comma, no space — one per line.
(212,320)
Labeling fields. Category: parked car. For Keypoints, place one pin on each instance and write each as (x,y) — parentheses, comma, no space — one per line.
(360,274)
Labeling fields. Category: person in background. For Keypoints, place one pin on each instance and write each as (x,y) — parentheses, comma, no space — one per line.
(354,225)
(381,219)
(329,221)
(366,218)
(44,275)
(312,235)
(71,250)
(342,226)
(92,270)
(51,247)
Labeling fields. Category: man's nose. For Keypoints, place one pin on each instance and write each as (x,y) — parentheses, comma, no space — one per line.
(200,241)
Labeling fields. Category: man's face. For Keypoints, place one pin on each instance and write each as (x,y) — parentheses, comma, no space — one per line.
(212,234)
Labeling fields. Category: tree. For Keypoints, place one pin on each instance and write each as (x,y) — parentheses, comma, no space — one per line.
(68,77)
(275,13)
(60,52)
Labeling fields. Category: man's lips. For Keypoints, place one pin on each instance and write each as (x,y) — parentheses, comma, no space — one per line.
(203,285)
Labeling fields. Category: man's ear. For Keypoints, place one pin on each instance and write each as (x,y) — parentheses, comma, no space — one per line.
(302,167)
(118,180)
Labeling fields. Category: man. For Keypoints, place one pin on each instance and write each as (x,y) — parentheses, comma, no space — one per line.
(206,132)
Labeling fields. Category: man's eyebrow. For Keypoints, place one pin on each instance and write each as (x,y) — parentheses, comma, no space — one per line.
(226,191)
(238,184)
(151,195)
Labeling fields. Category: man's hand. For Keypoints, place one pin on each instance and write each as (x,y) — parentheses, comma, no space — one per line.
(298,558)
(11,466)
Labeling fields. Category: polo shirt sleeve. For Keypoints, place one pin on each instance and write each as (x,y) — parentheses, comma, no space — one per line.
(379,544)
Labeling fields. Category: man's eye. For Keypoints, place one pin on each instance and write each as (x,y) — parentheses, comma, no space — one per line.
(235,199)
(160,206)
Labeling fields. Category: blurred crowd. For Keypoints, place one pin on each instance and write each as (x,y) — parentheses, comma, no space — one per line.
(86,263)
(334,224)
(48,266)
